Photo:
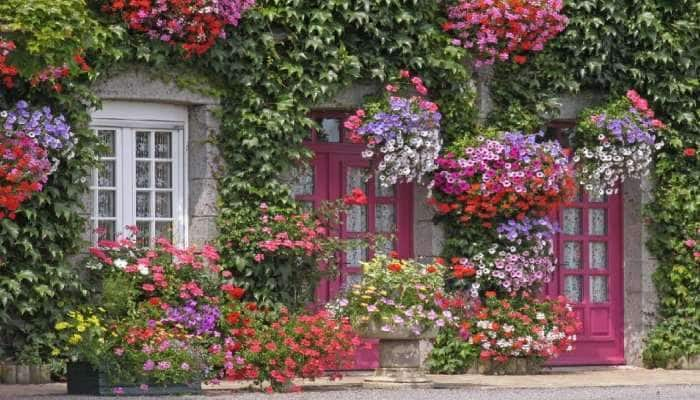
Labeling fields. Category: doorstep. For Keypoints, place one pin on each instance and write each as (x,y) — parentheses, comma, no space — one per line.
(552,377)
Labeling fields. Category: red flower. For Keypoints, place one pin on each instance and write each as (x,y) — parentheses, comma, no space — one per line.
(233,317)
(520,59)
(394,254)
(356,197)
(394,267)
(233,291)
(490,294)
(148,287)
(689,152)
(431,269)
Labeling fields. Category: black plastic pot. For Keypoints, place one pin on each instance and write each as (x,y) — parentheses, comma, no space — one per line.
(83,379)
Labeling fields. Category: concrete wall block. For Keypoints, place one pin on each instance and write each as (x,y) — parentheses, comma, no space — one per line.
(202,230)
(203,198)
(351,97)
(422,211)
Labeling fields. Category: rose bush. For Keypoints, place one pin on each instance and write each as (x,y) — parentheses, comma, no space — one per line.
(505,29)
(403,129)
(616,142)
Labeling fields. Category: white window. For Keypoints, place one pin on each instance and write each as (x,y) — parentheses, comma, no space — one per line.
(141,179)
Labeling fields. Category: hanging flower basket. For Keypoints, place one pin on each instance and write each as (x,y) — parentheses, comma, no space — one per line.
(504,29)
(194,25)
(402,130)
(615,143)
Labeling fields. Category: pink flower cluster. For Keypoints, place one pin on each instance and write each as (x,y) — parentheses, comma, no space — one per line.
(642,105)
(501,29)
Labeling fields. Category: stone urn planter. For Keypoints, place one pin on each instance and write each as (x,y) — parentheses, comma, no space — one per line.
(399,358)
(83,379)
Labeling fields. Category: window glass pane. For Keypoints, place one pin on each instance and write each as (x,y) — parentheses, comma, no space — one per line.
(143,204)
(599,289)
(384,245)
(303,180)
(356,179)
(164,204)
(597,221)
(383,191)
(143,144)
(106,230)
(107,138)
(307,206)
(105,203)
(572,221)
(597,197)
(163,145)
(572,255)
(573,288)
(105,174)
(164,229)
(143,174)
(144,236)
(164,177)
(330,130)
(349,280)
(357,219)
(385,218)
(598,255)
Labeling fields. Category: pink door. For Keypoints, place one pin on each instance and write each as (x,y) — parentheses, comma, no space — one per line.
(589,274)
(338,167)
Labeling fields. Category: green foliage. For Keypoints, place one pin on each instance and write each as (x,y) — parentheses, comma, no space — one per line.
(671,341)
(451,354)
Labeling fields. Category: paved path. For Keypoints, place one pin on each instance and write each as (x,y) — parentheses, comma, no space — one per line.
(623,383)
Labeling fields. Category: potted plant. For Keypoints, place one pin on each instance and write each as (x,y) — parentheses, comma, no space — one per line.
(153,322)
(399,302)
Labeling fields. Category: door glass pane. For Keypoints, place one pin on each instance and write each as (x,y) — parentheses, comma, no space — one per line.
(598,255)
(330,130)
(105,203)
(143,144)
(385,245)
(164,177)
(357,219)
(108,140)
(307,206)
(573,288)
(356,255)
(572,255)
(163,145)
(107,230)
(383,191)
(599,289)
(350,280)
(385,218)
(164,229)
(143,174)
(356,179)
(303,180)
(143,204)
(572,221)
(597,224)
(105,174)
(164,207)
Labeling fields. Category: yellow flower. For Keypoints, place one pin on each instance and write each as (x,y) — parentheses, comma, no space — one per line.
(75,339)
(55,352)
(366,297)
(80,328)
(61,325)
(371,288)
(94,320)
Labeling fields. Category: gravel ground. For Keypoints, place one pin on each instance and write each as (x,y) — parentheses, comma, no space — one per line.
(678,392)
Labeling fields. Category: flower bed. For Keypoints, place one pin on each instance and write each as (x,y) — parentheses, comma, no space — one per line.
(194,25)
(616,142)
(512,177)
(505,29)
(402,129)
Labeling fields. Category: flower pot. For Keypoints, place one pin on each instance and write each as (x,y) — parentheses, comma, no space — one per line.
(399,358)
(9,374)
(83,379)
(23,377)
(39,374)
(514,366)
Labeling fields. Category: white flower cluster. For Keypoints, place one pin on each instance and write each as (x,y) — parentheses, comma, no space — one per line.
(409,156)
(601,168)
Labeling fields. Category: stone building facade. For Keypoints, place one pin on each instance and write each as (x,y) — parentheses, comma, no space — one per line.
(147,116)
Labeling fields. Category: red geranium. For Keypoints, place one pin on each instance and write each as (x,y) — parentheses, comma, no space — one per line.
(24,169)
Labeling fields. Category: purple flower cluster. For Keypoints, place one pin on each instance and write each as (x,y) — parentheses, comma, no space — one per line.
(629,129)
(527,230)
(51,132)
(202,319)
(404,116)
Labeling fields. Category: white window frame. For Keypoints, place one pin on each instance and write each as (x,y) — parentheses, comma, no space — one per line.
(125,118)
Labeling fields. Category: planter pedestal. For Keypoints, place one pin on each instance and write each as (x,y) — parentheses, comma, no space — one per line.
(399,360)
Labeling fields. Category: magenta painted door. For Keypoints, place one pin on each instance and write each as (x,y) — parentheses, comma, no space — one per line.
(337,168)
(589,274)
